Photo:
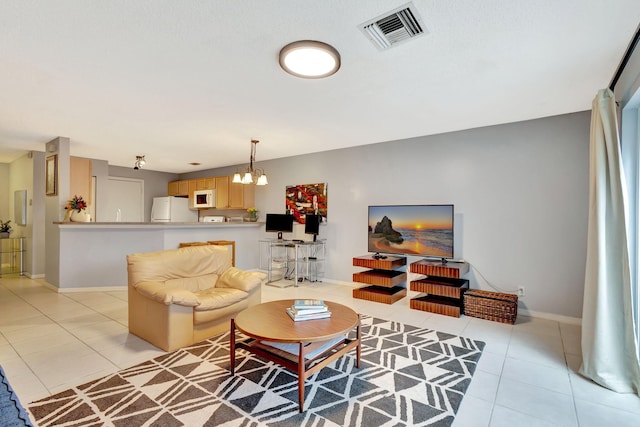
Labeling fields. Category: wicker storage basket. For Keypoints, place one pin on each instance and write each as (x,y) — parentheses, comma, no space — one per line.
(494,306)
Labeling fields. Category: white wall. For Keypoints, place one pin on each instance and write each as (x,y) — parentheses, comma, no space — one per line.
(520,192)
(4,192)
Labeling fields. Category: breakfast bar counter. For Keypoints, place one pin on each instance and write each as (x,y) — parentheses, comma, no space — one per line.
(93,254)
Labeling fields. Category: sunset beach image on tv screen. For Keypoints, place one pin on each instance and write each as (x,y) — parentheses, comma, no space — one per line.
(425,230)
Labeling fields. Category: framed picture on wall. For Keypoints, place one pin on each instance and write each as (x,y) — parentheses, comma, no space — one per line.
(51,185)
(303,199)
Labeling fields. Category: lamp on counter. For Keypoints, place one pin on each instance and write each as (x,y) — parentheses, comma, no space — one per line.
(139,163)
(251,174)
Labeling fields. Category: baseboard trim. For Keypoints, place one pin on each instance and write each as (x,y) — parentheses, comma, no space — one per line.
(551,316)
(75,290)
(96,289)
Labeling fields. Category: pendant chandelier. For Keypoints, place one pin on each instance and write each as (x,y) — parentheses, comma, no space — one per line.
(251,174)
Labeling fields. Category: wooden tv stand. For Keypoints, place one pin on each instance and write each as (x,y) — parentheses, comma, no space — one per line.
(387,284)
(442,287)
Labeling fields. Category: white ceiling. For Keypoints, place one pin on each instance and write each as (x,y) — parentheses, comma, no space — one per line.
(194,80)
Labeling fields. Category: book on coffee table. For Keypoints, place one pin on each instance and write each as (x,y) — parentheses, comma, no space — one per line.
(309,310)
(308,304)
(297,317)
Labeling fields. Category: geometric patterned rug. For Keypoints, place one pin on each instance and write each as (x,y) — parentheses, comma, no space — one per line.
(408,376)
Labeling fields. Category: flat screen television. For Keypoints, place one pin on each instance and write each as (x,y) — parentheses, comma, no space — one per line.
(421,230)
(312,225)
(279,223)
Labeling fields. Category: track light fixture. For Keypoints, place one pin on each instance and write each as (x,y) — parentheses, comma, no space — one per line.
(251,173)
(140,162)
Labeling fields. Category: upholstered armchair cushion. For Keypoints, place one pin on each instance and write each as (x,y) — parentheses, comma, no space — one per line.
(240,279)
(215,298)
(193,261)
(158,291)
(194,284)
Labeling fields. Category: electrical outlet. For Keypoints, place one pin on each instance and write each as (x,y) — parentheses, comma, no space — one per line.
(521,292)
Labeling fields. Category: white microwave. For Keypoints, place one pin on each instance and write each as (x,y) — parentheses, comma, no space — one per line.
(204,199)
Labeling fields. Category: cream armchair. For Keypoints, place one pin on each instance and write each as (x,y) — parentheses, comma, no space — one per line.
(178,297)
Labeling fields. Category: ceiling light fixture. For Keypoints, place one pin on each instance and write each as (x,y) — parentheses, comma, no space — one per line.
(251,173)
(309,59)
(139,163)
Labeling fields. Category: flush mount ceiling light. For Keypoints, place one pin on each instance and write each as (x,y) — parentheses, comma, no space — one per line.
(309,59)
(251,173)
(139,163)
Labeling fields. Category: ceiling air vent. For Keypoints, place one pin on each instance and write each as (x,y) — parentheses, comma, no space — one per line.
(394,27)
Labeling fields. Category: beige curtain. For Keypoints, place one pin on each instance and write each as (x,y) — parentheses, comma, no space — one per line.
(609,344)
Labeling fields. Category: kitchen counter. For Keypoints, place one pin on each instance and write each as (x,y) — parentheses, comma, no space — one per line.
(157,224)
(93,254)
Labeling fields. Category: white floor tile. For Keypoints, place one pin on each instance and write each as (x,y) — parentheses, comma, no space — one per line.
(538,348)
(29,388)
(37,331)
(45,343)
(83,320)
(538,375)
(61,371)
(491,362)
(483,386)
(594,415)
(14,325)
(505,417)
(535,325)
(587,390)
(473,412)
(537,402)
(7,352)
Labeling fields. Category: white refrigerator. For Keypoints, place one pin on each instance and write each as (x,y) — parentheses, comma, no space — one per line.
(172,209)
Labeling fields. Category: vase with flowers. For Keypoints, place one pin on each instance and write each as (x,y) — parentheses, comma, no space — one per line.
(76,210)
(5,229)
(253,214)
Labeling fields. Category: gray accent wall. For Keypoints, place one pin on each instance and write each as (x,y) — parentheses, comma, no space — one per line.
(520,192)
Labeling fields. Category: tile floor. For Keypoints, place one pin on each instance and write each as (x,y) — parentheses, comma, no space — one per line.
(527,375)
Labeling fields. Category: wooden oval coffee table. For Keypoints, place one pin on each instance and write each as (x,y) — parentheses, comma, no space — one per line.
(304,347)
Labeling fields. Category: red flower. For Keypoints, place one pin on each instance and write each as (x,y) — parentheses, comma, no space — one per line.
(77,203)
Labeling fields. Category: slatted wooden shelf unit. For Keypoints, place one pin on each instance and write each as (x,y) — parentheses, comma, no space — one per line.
(386,283)
(442,288)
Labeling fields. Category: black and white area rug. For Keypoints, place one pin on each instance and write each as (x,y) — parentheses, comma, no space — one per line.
(408,376)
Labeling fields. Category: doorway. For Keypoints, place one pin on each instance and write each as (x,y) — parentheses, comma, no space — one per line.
(124,201)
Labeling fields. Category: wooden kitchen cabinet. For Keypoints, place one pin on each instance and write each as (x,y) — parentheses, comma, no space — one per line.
(193,184)
(228,194)
(178,188)
(186,187)
(241,196)
(222,192)
(233,196)
(208,183)
(172,189)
